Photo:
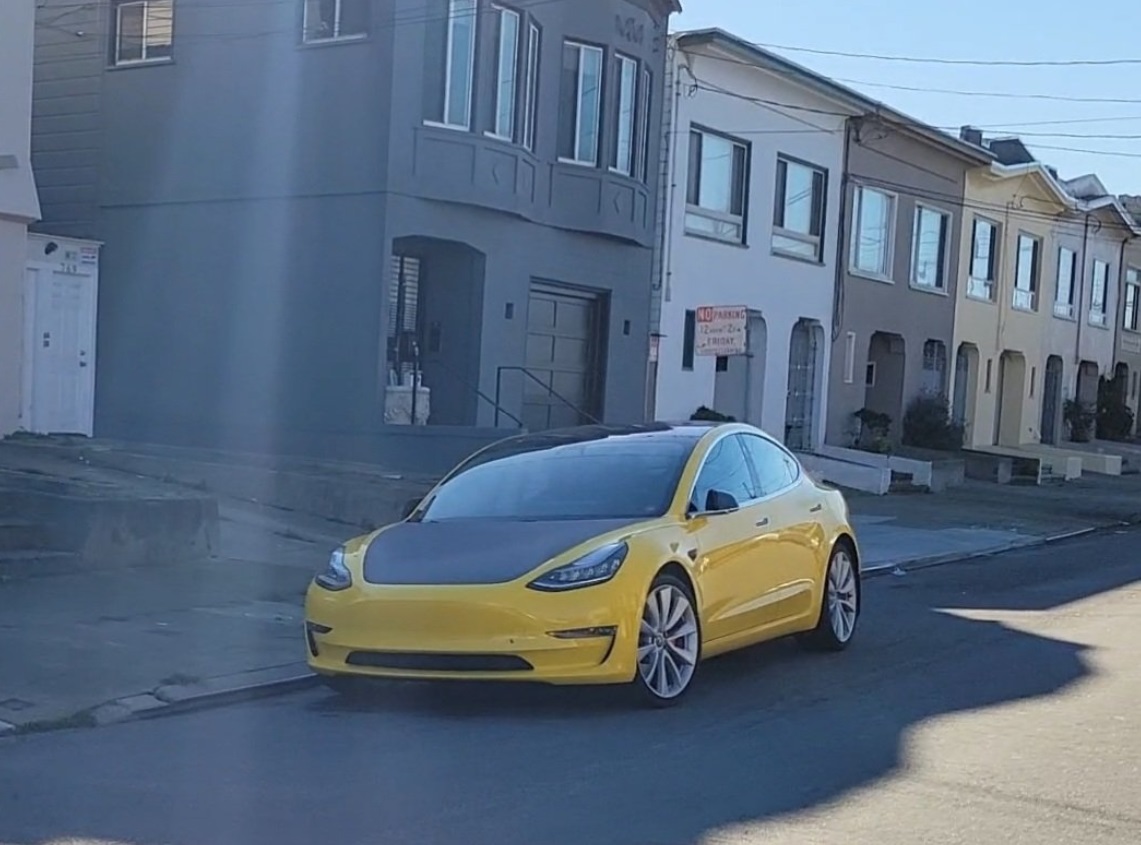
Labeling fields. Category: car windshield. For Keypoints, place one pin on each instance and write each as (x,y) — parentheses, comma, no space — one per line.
(610,478)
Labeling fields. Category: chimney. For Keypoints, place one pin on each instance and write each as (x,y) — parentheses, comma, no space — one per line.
(971,135)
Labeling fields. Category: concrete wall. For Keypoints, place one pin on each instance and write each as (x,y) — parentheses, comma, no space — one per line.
(914,172)
(19,205)
(249,229)
(1019,204)
(700,271)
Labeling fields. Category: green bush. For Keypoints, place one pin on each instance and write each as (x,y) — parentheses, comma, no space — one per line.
(1080,418)
(927,424)
(1114,416)
(875,430)
(705,414)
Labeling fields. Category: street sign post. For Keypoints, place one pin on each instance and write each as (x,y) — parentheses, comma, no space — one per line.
(721,330)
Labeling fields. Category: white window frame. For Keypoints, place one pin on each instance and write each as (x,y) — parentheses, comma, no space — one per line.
(501,132)
(624,161)
(1065,310)
(531,85)
(326,39)
(889,236)
(816,241)
(984,289)
(1026,299)
(146,6)
(1131,314)
(1099,316)
(583,49)
(455,10)
(642,141)
(913,270)
(695,212)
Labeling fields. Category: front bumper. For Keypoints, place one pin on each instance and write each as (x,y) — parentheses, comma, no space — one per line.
(501,632)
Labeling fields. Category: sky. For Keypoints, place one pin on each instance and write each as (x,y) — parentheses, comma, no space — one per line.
(1047,30)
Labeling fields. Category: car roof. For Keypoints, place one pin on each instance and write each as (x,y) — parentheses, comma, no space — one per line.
(691,431)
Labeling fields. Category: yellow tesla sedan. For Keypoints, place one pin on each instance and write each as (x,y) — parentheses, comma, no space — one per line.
(593,555)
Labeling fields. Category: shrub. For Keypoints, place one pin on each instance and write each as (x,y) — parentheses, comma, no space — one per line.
(1114,416)
(1080,418)
(875,428)
(928,424)
(705,414)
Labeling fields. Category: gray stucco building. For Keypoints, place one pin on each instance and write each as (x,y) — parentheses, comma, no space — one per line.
(306,201)
(894,318)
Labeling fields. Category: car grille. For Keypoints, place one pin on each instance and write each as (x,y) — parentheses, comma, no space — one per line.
(436,662)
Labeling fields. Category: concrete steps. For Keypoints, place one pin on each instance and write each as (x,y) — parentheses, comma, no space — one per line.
(26,550)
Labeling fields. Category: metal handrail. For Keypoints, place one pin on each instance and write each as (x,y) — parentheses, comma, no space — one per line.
(499,386)
(493,402)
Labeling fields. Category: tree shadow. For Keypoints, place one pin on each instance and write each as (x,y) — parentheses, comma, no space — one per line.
(768,732)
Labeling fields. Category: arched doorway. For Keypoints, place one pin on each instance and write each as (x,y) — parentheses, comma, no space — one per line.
(802,401)
(739,380)
(1052,399)
(1011,393)
(883,380)
(964,397)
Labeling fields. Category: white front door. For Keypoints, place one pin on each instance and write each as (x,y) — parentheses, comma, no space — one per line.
(62,352)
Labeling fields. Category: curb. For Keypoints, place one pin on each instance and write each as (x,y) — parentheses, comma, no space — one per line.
(930,561)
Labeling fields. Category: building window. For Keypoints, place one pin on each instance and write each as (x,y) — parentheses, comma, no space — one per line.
(799,215)
(929,248)
(1132,297)
(934,379)
(450,57)
(850,358)
(644,99)
(1064,292)
(716,191)
(581,103)
(1099,292)
(688,340)
(870,374)
(144,31)
(506,77)
(531,86)
(622,155)
(1026,269)
(984,259)
(334,20)
(874,213)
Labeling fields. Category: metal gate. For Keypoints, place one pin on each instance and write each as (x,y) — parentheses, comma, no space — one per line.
(801,387)
(1051,394)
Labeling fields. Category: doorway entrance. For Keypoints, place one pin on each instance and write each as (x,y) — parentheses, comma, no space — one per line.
(59,351)
(739,380)
(1052,399)
(802,401)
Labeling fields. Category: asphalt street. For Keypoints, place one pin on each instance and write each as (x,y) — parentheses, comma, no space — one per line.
(991,701)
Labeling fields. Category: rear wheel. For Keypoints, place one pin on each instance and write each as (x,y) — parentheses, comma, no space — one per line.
(840,603)
(669,642)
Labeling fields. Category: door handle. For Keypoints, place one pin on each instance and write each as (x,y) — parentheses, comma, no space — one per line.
(761,523)
(816,508)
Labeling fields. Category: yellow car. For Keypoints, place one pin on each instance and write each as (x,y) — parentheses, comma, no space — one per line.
(593,555)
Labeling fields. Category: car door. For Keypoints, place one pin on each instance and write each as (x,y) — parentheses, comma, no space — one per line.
(787,556)
(728,542)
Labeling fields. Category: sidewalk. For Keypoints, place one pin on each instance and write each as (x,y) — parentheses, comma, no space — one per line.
(92,647)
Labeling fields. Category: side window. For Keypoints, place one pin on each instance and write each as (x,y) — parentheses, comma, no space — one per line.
(725,470)
(775,470)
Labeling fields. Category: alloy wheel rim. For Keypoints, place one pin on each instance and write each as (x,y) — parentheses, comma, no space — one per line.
(667,642)
(843,596)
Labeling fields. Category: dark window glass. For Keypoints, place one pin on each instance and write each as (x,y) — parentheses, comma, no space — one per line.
(724,470)
(623,477)
(689,339)
(774,469)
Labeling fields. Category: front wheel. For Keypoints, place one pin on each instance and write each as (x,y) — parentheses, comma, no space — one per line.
(669,642)
(840,602)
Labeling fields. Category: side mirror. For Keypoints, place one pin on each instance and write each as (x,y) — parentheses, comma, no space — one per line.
(410,508)
(718,501)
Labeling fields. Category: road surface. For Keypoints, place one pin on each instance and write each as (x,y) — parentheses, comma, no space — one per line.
(995,701)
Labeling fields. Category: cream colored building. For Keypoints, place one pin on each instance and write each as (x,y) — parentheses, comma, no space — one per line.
(1014,217)
(19,205)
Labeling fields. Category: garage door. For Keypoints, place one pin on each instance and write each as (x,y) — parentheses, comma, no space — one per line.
(563,355)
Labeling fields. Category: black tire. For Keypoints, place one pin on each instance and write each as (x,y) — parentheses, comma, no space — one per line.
(645,693)
(825,637)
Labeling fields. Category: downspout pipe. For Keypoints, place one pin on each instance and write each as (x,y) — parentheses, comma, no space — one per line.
(842,232)
(1079,307)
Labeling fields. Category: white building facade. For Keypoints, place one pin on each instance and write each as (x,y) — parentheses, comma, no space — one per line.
(19,205)
(749,247)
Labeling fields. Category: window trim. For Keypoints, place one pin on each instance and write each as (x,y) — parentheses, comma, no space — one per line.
(645,81)
(502,12)
(995,261)
(336,37)
(1135,284)
(1066,310)
(741,220)
(748,463)
(117,42)
(944,273)
(444,123)
(584,47)
(778,212)
(1035,272)
(1099,319)
(893,219)
(621,61)
(533,60)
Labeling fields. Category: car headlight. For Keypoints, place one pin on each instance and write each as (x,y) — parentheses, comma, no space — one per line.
(336,575)
(595,567)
